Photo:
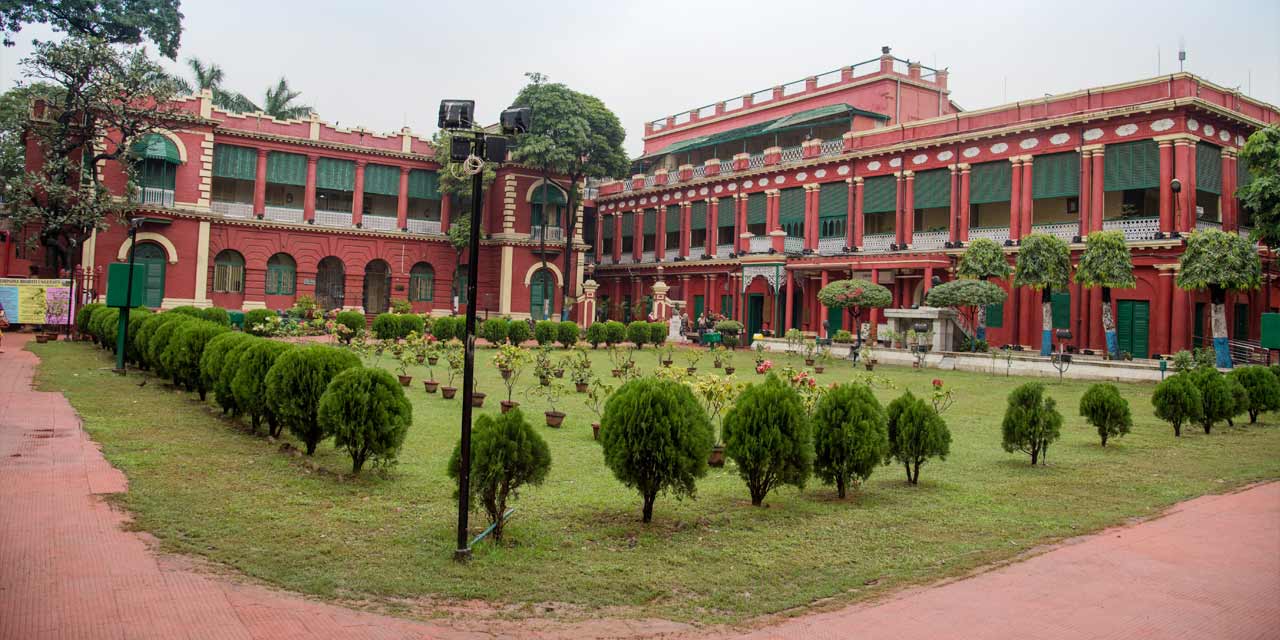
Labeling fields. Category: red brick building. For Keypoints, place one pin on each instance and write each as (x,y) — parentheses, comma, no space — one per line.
(747,207)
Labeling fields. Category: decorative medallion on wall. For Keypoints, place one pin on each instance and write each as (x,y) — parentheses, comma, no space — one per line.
(779,180)
(1163,124)
(800,177)
(719,188)
(920,159)
(666,197)
(1193,124)
(1208,130)
(733,186)
(1060,138)
(873,165)
(945,156)
(999,147)
(970,152)
(1029,143)
(820,173)
(844,171)
(702,191)
(748,184)
(1126,129)
(1092,134)
(895,162)
(1224,135)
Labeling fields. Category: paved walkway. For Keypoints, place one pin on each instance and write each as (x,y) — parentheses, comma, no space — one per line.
(1210,568)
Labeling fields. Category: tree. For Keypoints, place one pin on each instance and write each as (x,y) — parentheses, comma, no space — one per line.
(849,436)
(112,21)
(766,433)
(970,299)
(295,384)
(572,135)
(916,433)
(278,102)
(1219,262)
(15,119)
(1177,400)
(983,260)
(1044,262)
(366,411)
(1263,389)
(249,386)
(1106,263)
(1103,407)
(1216,401)
(1260,195)
(215,357)
(1031,422)
(209,76)
(656,438)
(506,454)
(183,355)
(455,186)
(855,295)
(106,94)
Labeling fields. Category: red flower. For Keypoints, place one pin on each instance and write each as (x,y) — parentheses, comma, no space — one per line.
(937,383)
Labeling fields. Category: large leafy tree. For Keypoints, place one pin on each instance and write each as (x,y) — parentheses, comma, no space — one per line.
(1044,263)
(107,98)
(573,135)
(209,76)
(1220,262)
(983,260)
(111,21)
(970,299)
(855,295)
(1261,194)
(279,102)
(15,119)
(1106,263)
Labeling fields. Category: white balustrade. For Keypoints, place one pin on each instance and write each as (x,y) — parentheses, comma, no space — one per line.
(232,209)
(154,195)
(831,246)
(649,181)
(929,239)
(723,250)
(1201,225)
(379,223)
(995,234)
(423,226)
(647,256)
(756,161)
(759,244)
(876,242)
(792,154)
(333,219)
(552,234)
(1064,231)
(627,258)
(288,214)
(700,171)
(1134,228)
(793,245)
(606,259)
(833,147)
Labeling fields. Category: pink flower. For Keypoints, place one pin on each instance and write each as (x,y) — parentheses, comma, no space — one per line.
(937,383)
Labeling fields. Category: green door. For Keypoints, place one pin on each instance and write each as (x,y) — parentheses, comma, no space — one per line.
(697,307)
(1197,330)
(1240,328)
(1132,319)
(755,314)
(153,258)
(542,303)
(1061,303)
(835,320)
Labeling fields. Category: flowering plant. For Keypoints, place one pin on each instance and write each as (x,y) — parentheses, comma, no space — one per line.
(942,398)
(764,366)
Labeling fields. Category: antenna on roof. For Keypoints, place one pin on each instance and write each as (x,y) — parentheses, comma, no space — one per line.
(1182,52)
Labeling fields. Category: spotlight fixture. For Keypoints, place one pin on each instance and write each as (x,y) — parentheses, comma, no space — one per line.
(457,114)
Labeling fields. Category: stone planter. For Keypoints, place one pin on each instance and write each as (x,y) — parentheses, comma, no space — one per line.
(581,386)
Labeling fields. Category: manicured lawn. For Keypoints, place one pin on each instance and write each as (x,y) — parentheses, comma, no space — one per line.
(203,486)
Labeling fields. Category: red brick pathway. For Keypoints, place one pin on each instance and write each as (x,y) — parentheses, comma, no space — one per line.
(1209,569)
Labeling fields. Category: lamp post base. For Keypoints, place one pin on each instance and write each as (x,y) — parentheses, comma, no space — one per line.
(462,555)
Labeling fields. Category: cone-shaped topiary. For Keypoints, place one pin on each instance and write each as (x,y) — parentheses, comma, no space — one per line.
(916,433)
(614,332)
(1031,422)
(84,313)
(185,350)
(596,334)
(766,433)
(106,322)
(142,337)
(96,324)
(567,333)
(367,413)
(638,333)
(295,384)
(1216,401)
(222,391)
(249,386)
(137,318)
(849,436)
(1103,407)
(215,355)
(1263,389)
(506,454)
(656,438)
(544,331)
(1177,400)
(494,330)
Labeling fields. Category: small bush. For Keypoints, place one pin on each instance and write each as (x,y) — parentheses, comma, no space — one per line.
(494,330)
(401,306)
(849,437)
(109,327)
(186,348)
(141,339)
(188,310)
(222,391)
(295,384)
(214,357)
(367,413)
(411,323)
(567,333)
(596,334)
(842,337)
(255,317)
(1263,389)
(766,433)
(1177,400)
(638,333)
(1102,406)
(446,327)
(386,326)
(545,332)
(729,327)
(249,384)
(506,454)
(1216,401)
(658,332)
(614,332)
(96,324)
(518,332)
(656,438)
(216,315)
(1031,422)
(353,320)
(158,345)
(82,316)
(916,433)
(137,318)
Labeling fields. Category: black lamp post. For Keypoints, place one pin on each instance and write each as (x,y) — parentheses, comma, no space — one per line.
(122,329)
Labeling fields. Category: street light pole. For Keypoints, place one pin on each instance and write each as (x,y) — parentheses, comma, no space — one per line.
(463,551)
(122,329)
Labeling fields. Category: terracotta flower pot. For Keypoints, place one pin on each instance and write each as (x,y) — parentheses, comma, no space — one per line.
(617,373)
(595,430)
(508,405)
(717,364)
(808,362)
(430,385)
(545,381)
(716,459)
(41,338)
(559,373)
(554,418)
(728,371)
(506,374)
(691,370)
(448,392)
(432,360)
(477,399)
(869,365)
(580,386)
(818,368)
(666,363)
(405,380)
(421,359)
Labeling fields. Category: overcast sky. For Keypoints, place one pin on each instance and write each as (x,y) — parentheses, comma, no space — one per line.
(384,64)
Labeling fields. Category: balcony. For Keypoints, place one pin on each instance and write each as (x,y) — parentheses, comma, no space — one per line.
(547,234)
(334,219)
(647,257)
(929,239)
(627,258)
(830,246)
(431,227)
(759,244)
(606,259)
(877,242)
(995,234)
(154,195)
(232,209)
(723,250)
(792,154)
(379,223)
(1134,229)
(793,246)
(1202,225)
(1064,231)
(288,214)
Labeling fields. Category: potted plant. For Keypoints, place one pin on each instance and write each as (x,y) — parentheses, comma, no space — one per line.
(810,352)
(693,356)
(729,331)
(552,391)
(824,359)
(563,363)
(542,365)
(621,359)
(405,356)
(667,354)
(580,371)
(455,357)
(715,393)
(794,339)
(512,360)
(597,395)
(727,361)
(759,352)
(430,347)
(715,356)
(865,355)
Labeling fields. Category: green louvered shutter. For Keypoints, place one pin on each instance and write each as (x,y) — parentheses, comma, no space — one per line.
(673,218)
(154,146)
(995,315)
(382,180)
(833,209)
(650,221)
(756,208)
(628,224)
(698,215)
(1061,304)
(791,211)
(1056,176)
(1132,322)
(880,194)
(990,182)
(339,175)
(835,320)
(1131,165)
(725,214)
(1208,168)
(1244,177)
(424,184)
(606,232)
(933,189)
(287,168)
(230,161)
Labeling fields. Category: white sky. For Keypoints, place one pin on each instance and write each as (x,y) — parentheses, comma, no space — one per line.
(385,64)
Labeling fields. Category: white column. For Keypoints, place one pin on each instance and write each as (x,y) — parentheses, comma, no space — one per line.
(201,298)
(504,282)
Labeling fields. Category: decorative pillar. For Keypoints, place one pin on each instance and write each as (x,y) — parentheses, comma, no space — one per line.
(788,320)
(811,217)
(711,297)
(660,234)
(713,225)
(1015,200)
(743,236)
(1189,186)
(587,310)
(1167,222)
(777,237)
(1097,208)
(822,315)
(928,282)
(357,196)
(1229,207)
(1179,316)
(402,201)
(617,240)
(1028,218)
(874,318)
(898,226)
(637,234)
(964,201)
(446,207)
(686,231)
(1083,210)
(855,223)
(1160,310)
(309,192)
(260,184)
(953,215)
(908,208)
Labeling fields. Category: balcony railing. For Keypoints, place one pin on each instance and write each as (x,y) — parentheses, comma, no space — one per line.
(1201,225)
(699,171)
(833,147)
(423,226)
(288,214)
(627,258)
(1063,231)
(792,154)
(648,256)
(551,234)
(649,181)
(334,219)
(1134,228)
(756,161)
(232,209)
(793,246)
(929,239)
(995,234)
(759,244)
(876,242)
(830,246)
(378,223)
(606,259)
(154,195)
(723,250)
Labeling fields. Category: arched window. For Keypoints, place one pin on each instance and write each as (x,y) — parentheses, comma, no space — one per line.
(282,274)
(228,272)
(422,280)
(152,257)
(156,161)
(542,287)
(554,209)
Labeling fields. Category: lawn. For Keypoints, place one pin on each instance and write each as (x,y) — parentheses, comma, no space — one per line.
(203,486)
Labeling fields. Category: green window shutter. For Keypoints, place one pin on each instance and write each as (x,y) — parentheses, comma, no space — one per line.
(1131,165)
(1240,328)
(726,305)
(1124,325)
(382,180)
(157,174)
(650,221)
(698,216)
(154,146)
(933,189)
(424,184)
(280,280)
(673,218)
(1244,177)
(791,211)
(880,194)
(1132,322)
(287,168)
(1061,303)
(697,306)
(628,224)
(230,161)
(835,320)
(339,175)
(725,214)
(1056,175)
(553,195)
(833,200)
(990,182)
(995,315)
(756,204)
(606,232)
(1208,168)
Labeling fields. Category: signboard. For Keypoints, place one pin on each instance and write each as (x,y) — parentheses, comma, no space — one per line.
(1271,331)
(36,301)
(118,284)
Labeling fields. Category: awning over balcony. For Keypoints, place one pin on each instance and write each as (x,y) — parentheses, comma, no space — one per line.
(804,119)
(156,146)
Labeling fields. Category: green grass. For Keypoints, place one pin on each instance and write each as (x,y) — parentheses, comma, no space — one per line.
(203,486)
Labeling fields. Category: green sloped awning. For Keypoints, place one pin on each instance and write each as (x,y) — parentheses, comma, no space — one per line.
(424,184)
(990,182)
(698,215)
(230,161)
(1056,175)
(339,175)
(287,168)
(1208,168)
(756,208)
(1131,165)
(382,180)
(156,147)
(880,194)
(807,118)
(933,189)
(553,196)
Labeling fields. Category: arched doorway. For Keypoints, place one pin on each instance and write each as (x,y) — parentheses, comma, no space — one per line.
(330,283)
(377,287)
(542,288)
(152,257)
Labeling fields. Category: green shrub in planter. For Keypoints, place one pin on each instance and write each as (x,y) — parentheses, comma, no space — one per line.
(222,391)
(256,317)
(215,355)
(216,315)
(1102,406)
(567,333)
(249,384)
(638,333)
(446,327)
(159,343)
(545,332)
(507,453)
(186,349)
(1263,389)
(295,384)
(656,438)
(367,413)
(849,436)
(596,334)
(1216,401)
(494,330)
(842,336)
(82,316)
(386,326)
(188,310)
(916,433)
(1031,422)
(658,333)
(137,317)
(353,320)
(766,432)
(518,332)
(614,333)
(1177,400)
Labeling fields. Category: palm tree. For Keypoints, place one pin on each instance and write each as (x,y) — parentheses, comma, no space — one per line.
(209,76)
(279,102)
